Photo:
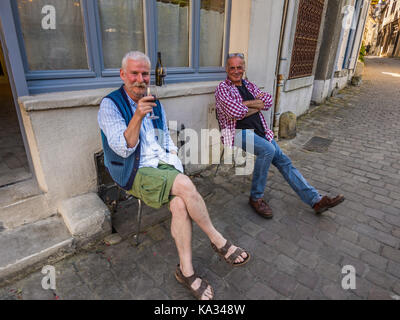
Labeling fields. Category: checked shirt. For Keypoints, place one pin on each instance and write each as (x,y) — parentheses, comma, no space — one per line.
(230,108)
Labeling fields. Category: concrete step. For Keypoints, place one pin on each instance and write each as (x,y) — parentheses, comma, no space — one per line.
(25,248)
(22,203)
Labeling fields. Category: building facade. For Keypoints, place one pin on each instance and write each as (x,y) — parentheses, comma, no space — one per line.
(382,32)
(341,43)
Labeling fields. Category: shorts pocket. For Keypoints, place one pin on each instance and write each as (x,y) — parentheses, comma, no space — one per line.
(152,189)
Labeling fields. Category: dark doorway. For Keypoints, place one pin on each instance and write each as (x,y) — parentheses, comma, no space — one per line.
(396,43)
(14,166)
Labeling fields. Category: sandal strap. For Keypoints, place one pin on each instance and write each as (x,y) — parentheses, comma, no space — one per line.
(231,259)
(188,280)
(199,292)
(225,248)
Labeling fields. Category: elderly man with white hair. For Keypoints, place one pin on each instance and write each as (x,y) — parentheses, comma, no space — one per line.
(148,167)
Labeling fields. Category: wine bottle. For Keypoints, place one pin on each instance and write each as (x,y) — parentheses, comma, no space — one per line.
(160,73)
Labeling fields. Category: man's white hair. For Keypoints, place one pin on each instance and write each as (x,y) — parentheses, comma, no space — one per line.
(137,56)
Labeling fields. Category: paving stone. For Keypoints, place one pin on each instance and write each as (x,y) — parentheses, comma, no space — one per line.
(347,234)
(306,277)
(307,259)
(261,292)
(390,253)
(262,272)
(328,270)
(396,288)
(330,255)
(378,235)
(362,289)
(283,284)
(304,293)
(267,237)
(374,260)
(369,244)
(394,269)
(381,225)
(286,264)
(394,220)
(309,244)
(287,248)
(79,293)
(334,292)
(380,278)
(379,294)
(374,213)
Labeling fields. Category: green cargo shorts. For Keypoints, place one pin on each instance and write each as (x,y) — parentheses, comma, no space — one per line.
(153,185)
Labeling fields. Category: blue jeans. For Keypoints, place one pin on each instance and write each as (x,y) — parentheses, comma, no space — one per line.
(267,153)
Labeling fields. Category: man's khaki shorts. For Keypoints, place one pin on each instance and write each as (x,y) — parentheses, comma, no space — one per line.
(153,185)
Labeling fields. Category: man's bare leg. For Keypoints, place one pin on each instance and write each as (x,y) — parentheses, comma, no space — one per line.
(184,188)
(181,230)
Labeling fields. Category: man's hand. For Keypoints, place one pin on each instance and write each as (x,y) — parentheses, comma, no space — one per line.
(145,106)
(251,112)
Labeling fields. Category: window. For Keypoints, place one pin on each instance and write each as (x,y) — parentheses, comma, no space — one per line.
(53,42)
(306,38)
(122,29)
(174,32)
(71,44)
(212,24)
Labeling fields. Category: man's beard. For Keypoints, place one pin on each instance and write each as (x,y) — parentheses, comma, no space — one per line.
(137,85)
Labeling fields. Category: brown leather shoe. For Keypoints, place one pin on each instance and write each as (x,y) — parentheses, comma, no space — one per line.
(326,203)
(261,207)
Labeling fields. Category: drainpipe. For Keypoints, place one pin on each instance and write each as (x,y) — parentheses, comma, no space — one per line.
(280,78)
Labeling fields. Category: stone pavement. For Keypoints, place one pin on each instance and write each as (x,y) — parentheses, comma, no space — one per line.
(296,255)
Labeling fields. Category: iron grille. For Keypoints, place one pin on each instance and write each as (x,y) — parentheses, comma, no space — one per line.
(306,38)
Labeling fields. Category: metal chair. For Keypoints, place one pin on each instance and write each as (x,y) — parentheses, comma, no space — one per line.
(139,212)
(223,149)
(110,192)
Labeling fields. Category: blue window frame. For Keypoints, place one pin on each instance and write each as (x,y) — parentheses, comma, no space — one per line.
(96,75)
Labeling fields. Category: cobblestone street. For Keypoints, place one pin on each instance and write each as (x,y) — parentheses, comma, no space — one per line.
(297,254)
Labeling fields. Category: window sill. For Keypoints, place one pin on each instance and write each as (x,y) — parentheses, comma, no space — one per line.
(85,98)
(294,84)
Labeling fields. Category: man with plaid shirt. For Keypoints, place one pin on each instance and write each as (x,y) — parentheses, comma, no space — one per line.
(238,105)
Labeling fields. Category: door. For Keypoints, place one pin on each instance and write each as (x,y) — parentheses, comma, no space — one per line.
(14,163)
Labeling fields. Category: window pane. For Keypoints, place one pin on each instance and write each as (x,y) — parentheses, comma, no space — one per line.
(212,26)
(173,32)
(122,28)
(53,33)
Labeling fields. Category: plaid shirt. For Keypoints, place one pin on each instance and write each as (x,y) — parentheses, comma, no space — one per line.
(230,108)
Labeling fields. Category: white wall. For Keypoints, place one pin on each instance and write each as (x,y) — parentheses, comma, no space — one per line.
(265,27)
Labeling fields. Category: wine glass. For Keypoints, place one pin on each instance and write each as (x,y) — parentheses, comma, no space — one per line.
(152,91)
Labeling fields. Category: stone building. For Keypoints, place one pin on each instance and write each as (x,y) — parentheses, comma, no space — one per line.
(382,32)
